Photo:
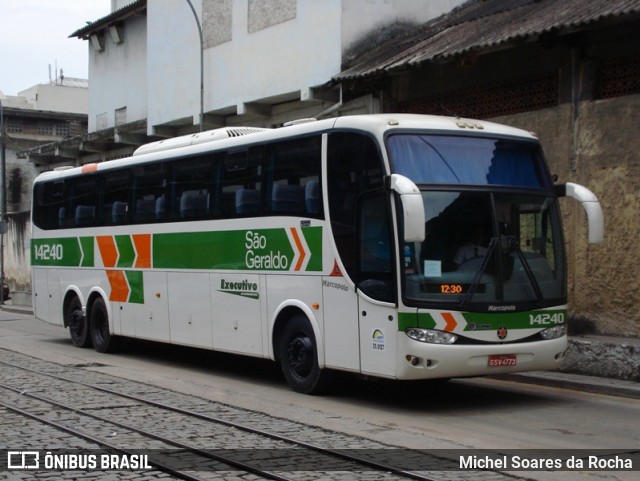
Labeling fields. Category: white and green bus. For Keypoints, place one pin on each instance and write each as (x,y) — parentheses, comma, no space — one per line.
(396,246)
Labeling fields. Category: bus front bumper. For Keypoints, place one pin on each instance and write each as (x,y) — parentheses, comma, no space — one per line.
(419,360)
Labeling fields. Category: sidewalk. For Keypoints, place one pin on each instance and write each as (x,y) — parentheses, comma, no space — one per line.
(595,364)
(578,382)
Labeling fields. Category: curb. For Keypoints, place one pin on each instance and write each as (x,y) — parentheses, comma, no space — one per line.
(27,311)
(577,382)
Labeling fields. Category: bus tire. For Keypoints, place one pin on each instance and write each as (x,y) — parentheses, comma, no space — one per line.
(103,340)
(77,322)
(299,357)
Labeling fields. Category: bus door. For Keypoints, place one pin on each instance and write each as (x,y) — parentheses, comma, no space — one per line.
(377,292)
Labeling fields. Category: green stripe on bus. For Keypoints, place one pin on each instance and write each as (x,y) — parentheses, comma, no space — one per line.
(126,252)
(86,245)
(136,286)
(313,238)
(489,320)
(255,249)
(63,252)
(277,249)
(514,320)
(199,250)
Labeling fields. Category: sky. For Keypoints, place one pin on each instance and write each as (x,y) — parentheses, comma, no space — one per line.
(34,34)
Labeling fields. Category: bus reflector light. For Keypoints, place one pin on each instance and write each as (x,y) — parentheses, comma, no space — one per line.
(554,332)
(431,336)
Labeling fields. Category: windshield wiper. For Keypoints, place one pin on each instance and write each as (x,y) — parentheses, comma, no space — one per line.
(512,245)
(476,279)
(515,246)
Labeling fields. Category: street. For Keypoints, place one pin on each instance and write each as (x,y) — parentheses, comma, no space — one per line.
(460,414)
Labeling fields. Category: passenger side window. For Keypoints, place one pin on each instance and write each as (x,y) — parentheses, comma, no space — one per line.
(50,208)
(294,178)
(191,190)
(81,211)
(149,186)
(116,197)
(241,184)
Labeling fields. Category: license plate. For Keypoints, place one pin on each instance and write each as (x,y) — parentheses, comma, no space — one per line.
(498,360)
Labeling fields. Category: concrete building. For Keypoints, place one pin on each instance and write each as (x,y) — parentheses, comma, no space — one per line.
(264,62)
(42,114)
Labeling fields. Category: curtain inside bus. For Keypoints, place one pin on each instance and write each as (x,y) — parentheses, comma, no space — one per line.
(433,159)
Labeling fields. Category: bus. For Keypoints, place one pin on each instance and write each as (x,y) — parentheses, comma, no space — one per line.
(397,246)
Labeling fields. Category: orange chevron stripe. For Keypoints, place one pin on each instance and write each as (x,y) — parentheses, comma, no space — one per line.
(450,320)
(296,238)
(119,286)
(142,244)
(108,250)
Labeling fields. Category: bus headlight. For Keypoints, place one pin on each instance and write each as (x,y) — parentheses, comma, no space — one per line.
(554,332)
(431,336)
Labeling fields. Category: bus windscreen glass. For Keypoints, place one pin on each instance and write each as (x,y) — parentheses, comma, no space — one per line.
(442,159)
(484,249)
(487,249)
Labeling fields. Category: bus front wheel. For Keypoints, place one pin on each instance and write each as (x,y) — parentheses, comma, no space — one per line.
(299,357)
(103,340)
(77,322)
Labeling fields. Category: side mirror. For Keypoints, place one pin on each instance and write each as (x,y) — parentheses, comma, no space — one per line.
(412,207)
(590,204)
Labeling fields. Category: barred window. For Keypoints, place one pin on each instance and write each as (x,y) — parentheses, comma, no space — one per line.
(45,128)
(62,129)
(617,77)
(15,126)
(505,97)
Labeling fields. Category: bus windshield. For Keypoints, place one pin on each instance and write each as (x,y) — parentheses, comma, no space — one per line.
(442,159)
(493,237)
(487,249)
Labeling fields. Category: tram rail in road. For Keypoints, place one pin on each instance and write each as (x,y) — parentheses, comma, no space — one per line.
(130,417)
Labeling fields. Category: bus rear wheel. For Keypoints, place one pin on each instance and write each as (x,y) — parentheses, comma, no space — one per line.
(78,323)
(299,357)
(103,340)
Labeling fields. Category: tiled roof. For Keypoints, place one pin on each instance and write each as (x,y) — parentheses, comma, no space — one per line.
(484,25)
